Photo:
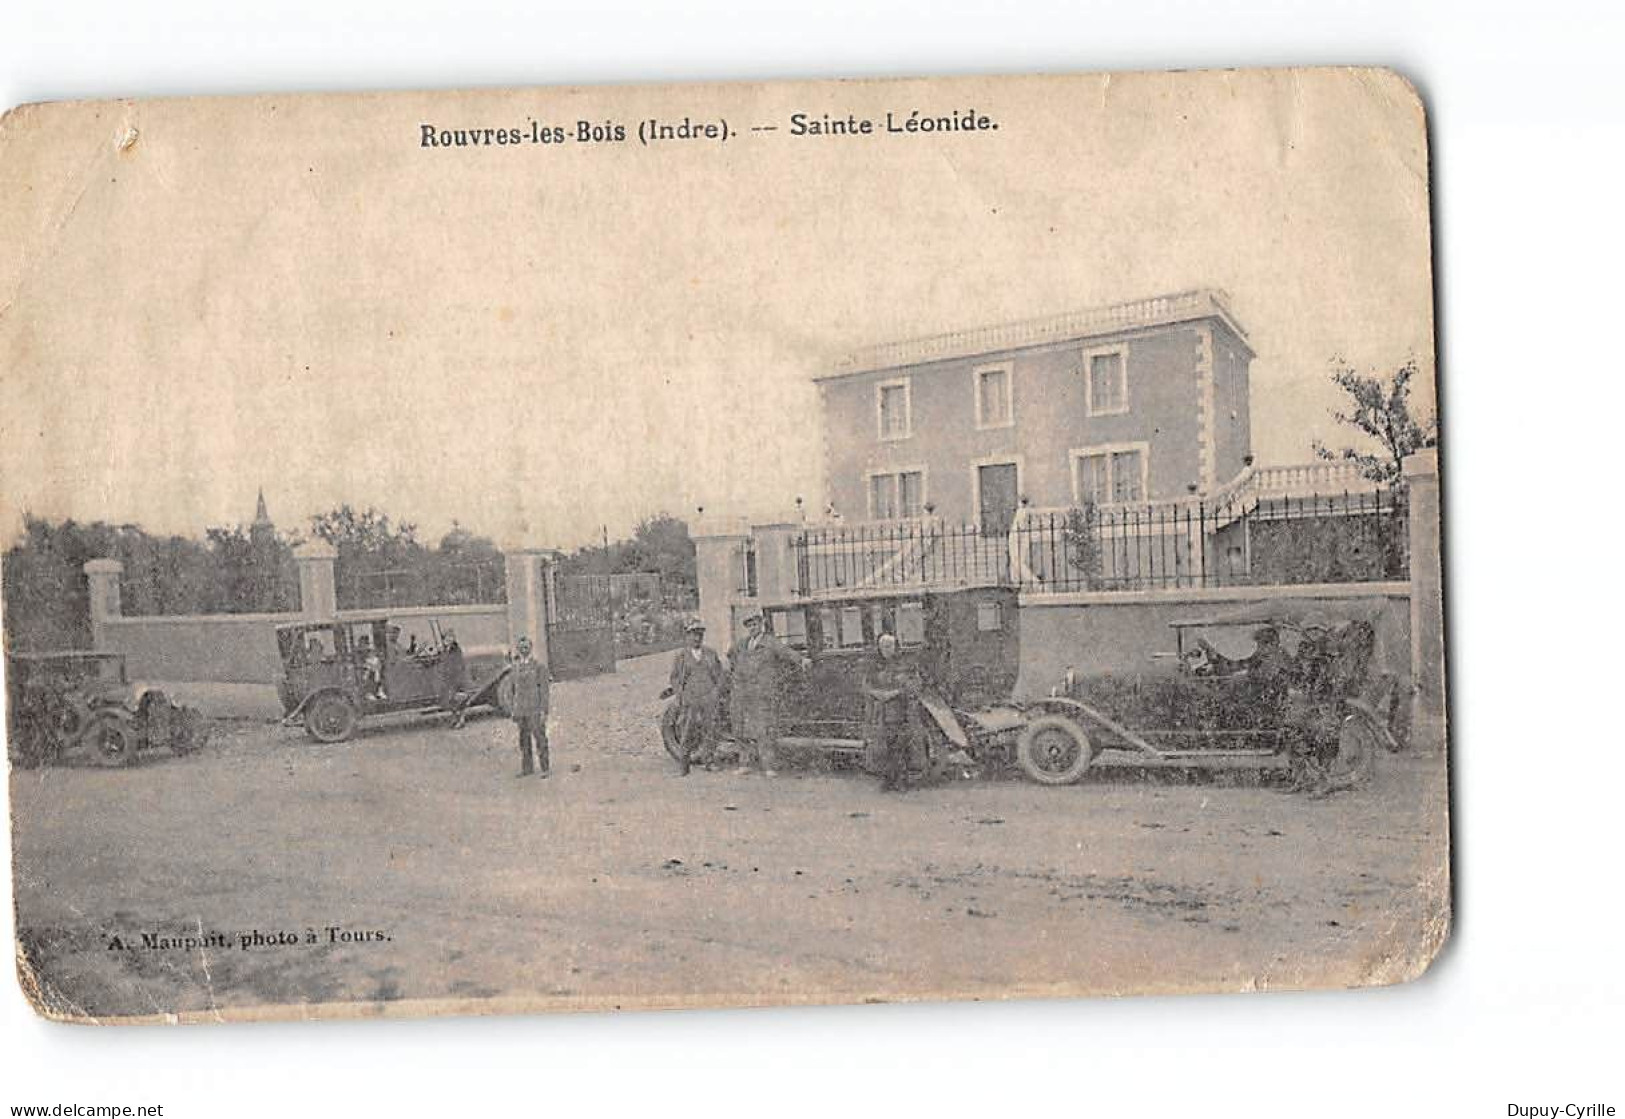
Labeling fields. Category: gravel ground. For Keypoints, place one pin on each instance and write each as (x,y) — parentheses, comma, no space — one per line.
(413,872)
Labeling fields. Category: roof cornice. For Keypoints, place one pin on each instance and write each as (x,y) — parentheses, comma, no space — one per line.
(1094,322)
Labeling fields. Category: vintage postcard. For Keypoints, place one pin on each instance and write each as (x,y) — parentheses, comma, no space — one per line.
(721,545)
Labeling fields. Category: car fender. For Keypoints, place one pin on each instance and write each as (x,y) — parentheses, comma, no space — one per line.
(299,711)
(1087,717)
(945,719)
(1059,705)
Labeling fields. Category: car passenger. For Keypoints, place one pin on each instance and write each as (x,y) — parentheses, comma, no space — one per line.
(372,668)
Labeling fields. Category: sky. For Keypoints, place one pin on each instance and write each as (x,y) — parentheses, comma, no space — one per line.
(201,298)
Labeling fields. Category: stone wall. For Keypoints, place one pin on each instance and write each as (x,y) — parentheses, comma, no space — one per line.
(228,664)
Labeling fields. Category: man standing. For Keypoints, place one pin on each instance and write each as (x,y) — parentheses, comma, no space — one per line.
(525,693)
(689,722)
(756,661)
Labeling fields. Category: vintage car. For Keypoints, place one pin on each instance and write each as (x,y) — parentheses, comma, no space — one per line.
(335,673)
(961,645)
(1201,708)
(1243,685)
(74,704)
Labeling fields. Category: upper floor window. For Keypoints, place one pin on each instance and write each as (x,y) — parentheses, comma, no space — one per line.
(994,396)
(892,407)
(1110,475)
(897,495)
(1106,373)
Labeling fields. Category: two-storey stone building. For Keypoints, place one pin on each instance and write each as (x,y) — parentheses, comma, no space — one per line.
(1136,402)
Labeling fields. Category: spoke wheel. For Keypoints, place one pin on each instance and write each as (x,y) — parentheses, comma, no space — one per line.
(330,718)
(1054,750)
(112,740)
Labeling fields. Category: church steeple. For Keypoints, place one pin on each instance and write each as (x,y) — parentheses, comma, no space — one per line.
(264,559)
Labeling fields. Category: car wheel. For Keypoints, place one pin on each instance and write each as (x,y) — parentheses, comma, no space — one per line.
(1054,750)
(330,718)
(71,720)
(112,740)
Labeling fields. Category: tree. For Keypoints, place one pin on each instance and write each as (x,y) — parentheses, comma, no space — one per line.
(1081,546)
(661,543)
(380,563)
(251,572)
(465,568)
(1381,411)
(367,533)
(47,598)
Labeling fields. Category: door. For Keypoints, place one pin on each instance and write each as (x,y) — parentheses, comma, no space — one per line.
(996,497)
(581,626)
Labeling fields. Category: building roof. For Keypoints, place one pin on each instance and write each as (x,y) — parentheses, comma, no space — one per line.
(1116,318)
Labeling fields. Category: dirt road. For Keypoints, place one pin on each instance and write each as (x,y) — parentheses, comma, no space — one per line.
(411,865)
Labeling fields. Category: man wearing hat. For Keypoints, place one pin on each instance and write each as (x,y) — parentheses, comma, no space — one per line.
(690,721)
(756,661)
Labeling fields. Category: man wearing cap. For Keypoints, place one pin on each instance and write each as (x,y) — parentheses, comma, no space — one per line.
(689,722)
(756,662)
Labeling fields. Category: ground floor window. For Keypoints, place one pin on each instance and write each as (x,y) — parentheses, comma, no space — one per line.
(1111,475)
(896,495)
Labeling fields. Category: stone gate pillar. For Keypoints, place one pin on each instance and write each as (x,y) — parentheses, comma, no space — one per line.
(105,600)
(318,592)
(776,575)
(719,568)
(1427,601)
(529,579)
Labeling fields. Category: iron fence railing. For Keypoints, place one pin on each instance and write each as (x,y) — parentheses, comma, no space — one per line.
(1259,540)
(439,584)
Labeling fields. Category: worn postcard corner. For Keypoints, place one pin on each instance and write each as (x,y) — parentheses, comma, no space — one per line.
(721,545)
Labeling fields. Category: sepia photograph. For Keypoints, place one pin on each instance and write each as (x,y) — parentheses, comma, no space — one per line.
(722,545)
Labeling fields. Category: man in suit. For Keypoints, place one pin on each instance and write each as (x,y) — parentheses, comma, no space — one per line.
(525,687)
(689,722)
(756,662)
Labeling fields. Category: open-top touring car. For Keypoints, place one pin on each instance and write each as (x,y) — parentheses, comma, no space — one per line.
(335,673)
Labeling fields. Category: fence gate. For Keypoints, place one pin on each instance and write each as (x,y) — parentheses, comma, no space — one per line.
(581,626)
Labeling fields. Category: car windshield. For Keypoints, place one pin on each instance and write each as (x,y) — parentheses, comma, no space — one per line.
(1232,642)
